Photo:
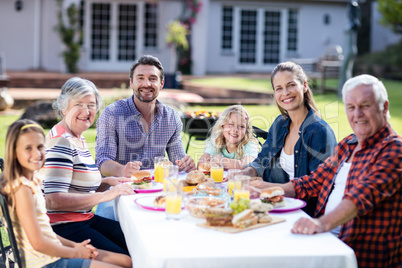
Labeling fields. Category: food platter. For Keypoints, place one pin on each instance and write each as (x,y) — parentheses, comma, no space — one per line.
(229,229)
(147,202)
(291,204)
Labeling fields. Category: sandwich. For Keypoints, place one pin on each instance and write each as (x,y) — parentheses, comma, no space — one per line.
(195,177)
(160,201)
(142,179)
(261,210)
(205,167)
(217,216)
(273,196)
(244,219)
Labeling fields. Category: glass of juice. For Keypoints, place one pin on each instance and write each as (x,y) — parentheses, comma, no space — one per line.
(244,190)
(174,200)
(158,167)
(232,184)
(170,175)
(216,169)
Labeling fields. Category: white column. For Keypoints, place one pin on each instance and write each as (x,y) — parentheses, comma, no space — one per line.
(199,40)
(37,35)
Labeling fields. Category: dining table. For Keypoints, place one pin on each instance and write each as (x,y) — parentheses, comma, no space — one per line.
(154,241)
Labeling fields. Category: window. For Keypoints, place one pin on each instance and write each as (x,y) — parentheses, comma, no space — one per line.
(292,30)
(227,28)
(248,38)
(100,31)
(150,25)
(272,32)
(127,32)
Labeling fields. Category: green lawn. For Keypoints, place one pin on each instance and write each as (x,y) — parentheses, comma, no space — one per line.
(331,109)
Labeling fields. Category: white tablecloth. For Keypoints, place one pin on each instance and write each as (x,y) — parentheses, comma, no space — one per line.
(154,241)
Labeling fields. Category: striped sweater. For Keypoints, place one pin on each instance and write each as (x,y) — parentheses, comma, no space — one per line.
(69,168)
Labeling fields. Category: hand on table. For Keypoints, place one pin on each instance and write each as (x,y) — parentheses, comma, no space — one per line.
(112,181)
(186,164)
(120,189)
(130,168)
(307,226)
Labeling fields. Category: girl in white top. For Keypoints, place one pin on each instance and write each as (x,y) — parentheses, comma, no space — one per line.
(232,140)
(39,246)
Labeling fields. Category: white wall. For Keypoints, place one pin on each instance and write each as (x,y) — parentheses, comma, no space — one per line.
(381,36)
(314,35)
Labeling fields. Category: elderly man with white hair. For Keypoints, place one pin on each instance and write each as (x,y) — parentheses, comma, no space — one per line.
(359,188)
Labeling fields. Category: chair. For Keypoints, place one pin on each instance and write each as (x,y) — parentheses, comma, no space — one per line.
(327,66)
(259,133)
(10,255)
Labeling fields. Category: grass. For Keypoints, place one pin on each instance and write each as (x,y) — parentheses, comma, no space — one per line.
(331,109)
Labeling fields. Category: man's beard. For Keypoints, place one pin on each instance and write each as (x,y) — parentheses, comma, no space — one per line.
(140,98)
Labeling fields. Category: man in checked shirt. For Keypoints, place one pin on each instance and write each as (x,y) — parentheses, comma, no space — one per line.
(131,132)
(359,187)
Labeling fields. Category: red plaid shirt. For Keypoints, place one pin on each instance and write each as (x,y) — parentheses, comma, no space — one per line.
(374,185)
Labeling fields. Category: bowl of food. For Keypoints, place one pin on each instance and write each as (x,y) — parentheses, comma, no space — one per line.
(198,205)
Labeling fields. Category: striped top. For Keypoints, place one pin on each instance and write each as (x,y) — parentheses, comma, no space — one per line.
(69,168)
(29,256)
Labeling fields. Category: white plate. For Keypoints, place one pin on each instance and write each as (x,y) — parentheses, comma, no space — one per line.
(291,204)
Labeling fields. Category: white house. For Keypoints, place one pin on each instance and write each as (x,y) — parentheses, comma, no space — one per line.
(228,35)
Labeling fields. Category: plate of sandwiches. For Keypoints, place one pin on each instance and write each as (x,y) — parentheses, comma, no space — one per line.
(141,182)
(275,197)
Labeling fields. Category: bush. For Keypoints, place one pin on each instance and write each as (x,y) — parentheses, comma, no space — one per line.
(387,63)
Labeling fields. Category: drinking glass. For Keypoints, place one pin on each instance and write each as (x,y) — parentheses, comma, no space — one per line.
(170,175)
(174,198)
(158,167)
(232,184)
(244,190)
(216,169)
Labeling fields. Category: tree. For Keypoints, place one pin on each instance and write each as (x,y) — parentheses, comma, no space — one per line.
(391,11)
(70,32)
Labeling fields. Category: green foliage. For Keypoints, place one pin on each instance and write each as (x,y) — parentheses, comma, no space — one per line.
(387,63)
(177,35)
(69,30)
(391,11)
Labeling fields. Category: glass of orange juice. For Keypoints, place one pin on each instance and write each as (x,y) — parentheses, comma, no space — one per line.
(170,175)
(174,198)
(216,169)
(244,190)
(232,184)
(158,167)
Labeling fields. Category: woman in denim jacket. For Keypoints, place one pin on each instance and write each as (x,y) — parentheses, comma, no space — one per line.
(298,140)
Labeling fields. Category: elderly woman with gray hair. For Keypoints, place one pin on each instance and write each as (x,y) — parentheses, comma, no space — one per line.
(73,184)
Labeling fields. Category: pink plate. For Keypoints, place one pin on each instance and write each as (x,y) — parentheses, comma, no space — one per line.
(147,202)
(291,204)
(156,187)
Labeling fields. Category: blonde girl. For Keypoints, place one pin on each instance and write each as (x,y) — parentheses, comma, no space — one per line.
(39,246)
(232,140)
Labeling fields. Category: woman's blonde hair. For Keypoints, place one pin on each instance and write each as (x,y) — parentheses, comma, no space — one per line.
(301,76)
(12,168)
(218,140)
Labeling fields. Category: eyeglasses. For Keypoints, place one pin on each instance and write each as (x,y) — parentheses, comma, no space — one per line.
(89,106)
